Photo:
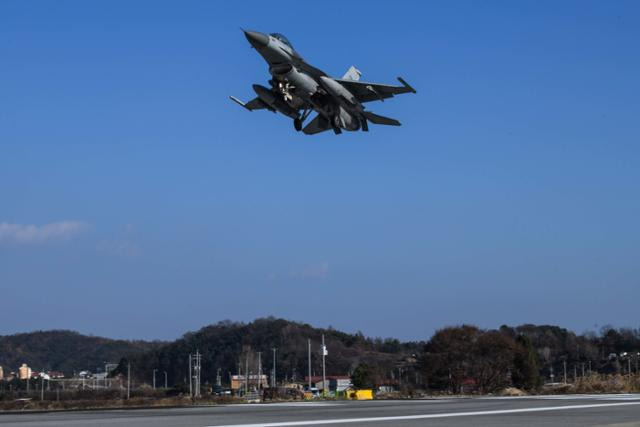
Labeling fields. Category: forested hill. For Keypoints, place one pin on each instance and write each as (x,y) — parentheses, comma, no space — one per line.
(529,352)
(65,351)
(226,344)
(452,358)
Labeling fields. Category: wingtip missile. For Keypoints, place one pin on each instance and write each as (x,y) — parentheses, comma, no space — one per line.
(407,85)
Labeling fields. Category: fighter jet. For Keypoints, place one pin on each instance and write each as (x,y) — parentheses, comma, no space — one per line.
(296,89)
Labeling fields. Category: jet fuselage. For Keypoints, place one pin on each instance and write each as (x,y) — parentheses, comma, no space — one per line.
(298,88)
(304,86)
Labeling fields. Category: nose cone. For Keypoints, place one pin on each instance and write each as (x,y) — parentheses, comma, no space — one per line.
(257,39)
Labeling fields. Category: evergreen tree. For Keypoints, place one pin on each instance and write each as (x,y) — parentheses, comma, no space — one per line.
(526,371)
(362,376)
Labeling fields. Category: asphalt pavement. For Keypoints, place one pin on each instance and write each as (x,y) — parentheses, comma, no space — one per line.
(578,411)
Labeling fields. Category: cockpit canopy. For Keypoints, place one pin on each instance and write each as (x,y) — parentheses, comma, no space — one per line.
(282,38)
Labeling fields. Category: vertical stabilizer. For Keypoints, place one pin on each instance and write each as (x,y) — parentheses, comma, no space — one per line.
(352,74)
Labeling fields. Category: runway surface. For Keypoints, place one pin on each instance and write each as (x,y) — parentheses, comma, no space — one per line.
(578,411)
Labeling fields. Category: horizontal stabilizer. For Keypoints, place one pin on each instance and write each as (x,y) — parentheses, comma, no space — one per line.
(380,120)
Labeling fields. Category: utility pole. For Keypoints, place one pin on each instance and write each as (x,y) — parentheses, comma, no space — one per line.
(628,362)
(324,376)
(246,374)
(195,373)
(309,343)
(273,378)
(165,380)
(106,374)
(42,387)
(154,379)
(259,370)
(564,366)
(575,374)
(128,380)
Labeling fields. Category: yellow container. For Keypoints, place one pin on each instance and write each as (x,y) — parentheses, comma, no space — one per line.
(366,394)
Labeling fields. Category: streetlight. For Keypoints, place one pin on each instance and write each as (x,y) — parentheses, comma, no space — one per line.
(627,356)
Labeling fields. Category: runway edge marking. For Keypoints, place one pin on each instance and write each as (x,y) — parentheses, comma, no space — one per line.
(427,416)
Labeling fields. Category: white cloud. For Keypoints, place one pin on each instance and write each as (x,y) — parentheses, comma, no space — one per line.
(123,248)
(21,233)
(124,244)
(312,271)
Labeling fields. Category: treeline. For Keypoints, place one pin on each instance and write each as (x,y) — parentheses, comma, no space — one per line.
(230,347)
(461,358)
(65,351)
(468,359)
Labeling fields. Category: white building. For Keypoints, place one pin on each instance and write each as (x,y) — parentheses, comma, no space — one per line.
(24,372)
(334,382)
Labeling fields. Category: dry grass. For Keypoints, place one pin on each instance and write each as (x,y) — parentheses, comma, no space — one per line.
(512,391)
(597,383)
(135,402)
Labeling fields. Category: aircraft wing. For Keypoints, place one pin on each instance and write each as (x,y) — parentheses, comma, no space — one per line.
(254,104)
(366,92)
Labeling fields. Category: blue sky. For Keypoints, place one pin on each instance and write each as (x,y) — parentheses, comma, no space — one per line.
(137,201)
